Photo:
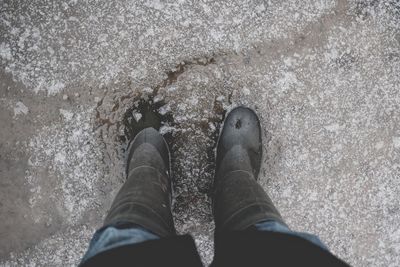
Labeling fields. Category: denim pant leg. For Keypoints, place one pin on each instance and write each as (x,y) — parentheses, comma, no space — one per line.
(110,237)
(275,226)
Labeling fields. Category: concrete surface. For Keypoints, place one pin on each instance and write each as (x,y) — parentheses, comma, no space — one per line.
(323,75)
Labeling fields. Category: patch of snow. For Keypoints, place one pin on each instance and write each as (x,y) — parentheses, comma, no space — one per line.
(396,141)
(5,51)
(20,108)
(164,109)
(166,129)
(246,91)
(334,127)
(137,116)
(67,115)
(379,145)
(287,81)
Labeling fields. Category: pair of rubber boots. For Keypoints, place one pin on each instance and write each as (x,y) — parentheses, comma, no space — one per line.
(238,201)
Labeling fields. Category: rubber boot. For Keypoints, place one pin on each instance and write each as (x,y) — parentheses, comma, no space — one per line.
(145,198)
(239,201)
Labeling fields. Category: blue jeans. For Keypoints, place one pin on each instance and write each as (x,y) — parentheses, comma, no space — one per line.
(111,237)
(274,226)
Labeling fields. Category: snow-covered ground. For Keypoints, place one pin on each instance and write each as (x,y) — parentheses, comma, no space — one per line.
(323,76)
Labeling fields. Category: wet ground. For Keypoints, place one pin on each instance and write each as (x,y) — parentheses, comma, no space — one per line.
(75,78)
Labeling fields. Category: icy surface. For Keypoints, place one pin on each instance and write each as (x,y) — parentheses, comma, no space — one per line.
(322,75)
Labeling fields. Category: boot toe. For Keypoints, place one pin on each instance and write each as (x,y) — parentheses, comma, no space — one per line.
(241,127)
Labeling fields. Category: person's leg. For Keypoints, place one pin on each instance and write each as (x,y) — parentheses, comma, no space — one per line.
(113,236)
(239,202)
(142,208)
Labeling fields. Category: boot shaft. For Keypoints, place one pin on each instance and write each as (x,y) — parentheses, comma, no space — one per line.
(145,197)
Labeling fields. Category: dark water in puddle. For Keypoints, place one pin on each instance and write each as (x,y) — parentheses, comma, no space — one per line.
(148,110)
